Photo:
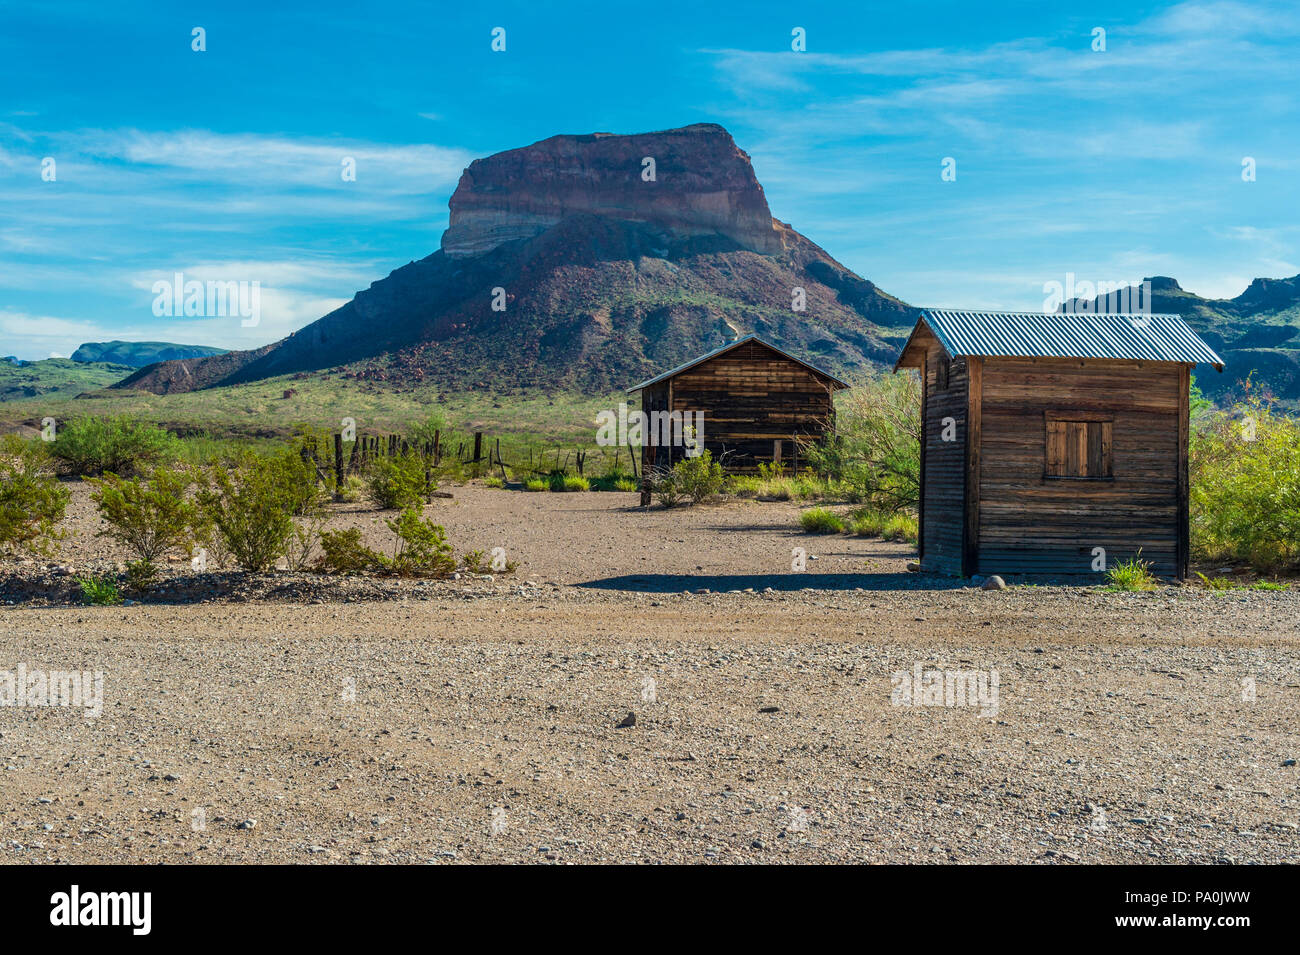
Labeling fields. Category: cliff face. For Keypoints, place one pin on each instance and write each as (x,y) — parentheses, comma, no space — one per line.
(703,185)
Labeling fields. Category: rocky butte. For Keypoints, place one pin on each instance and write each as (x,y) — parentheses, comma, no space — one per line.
(691,181)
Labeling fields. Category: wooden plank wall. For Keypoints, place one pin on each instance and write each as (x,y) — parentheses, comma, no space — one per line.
(752,396)
(654,398)
(943,496)
(1029,523)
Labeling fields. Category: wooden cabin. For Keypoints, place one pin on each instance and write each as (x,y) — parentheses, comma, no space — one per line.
(756,400)
(1048,436)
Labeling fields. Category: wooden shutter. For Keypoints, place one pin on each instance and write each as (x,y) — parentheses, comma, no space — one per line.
(1078,449)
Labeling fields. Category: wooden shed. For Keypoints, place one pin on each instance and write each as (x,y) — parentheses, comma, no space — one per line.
(756,400)
(1053,444)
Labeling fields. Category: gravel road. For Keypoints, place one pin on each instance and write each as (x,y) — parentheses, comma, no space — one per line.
(477,721)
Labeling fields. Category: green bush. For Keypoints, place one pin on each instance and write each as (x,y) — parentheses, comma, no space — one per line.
(343,553)
(699,478)
(743,485)
(614,480)
(101,591)
(665,487)
(397,482)
(301,492)
(818,520)
(249,507)
(493,482)
(149,516)
(141,575)
(120,444)
(1245,487)
(32,501)
(874,449)
(537,484)
(421,548)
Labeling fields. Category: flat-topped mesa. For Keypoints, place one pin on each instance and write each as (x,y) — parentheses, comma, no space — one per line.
(703,185)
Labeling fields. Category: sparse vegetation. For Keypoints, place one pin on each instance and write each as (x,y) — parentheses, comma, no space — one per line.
(150,515)
(819,520)
(32,502)
(1245,487)
(398,482)
(119,443)
(1133,574)
(697,479)
(250,509)
(100,591)
(873,455)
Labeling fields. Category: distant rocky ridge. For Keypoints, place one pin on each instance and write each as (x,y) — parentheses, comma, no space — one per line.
(1257,334)
(139,354)
(607,278)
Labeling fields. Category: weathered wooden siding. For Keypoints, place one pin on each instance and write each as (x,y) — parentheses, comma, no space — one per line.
(654,398)
(752,397)
(1030,523)
(944,468)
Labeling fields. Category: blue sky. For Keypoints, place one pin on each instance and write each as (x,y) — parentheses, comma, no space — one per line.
(225,164)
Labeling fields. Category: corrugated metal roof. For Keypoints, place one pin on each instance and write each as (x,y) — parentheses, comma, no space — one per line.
(751,337)
(1158,337)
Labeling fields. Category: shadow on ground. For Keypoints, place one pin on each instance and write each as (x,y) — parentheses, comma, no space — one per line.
(721,583)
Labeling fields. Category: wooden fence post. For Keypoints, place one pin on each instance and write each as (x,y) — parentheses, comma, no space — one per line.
(338,467)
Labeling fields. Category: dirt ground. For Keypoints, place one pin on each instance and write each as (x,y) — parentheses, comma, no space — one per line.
(477,720)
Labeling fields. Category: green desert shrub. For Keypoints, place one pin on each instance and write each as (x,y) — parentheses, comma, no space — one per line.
(100,591)
(121,444)
(301,492)
(250,509)
(493,482)
(819,520)
(141,575)
(150,515)
(614,480)
(699,478)
(421,547)
(32,501)
(537,484)
(397,482)
(874,450)
(743,485)
(343,553)
(1245,487)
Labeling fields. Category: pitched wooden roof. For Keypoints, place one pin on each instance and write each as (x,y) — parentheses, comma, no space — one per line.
(728,347)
